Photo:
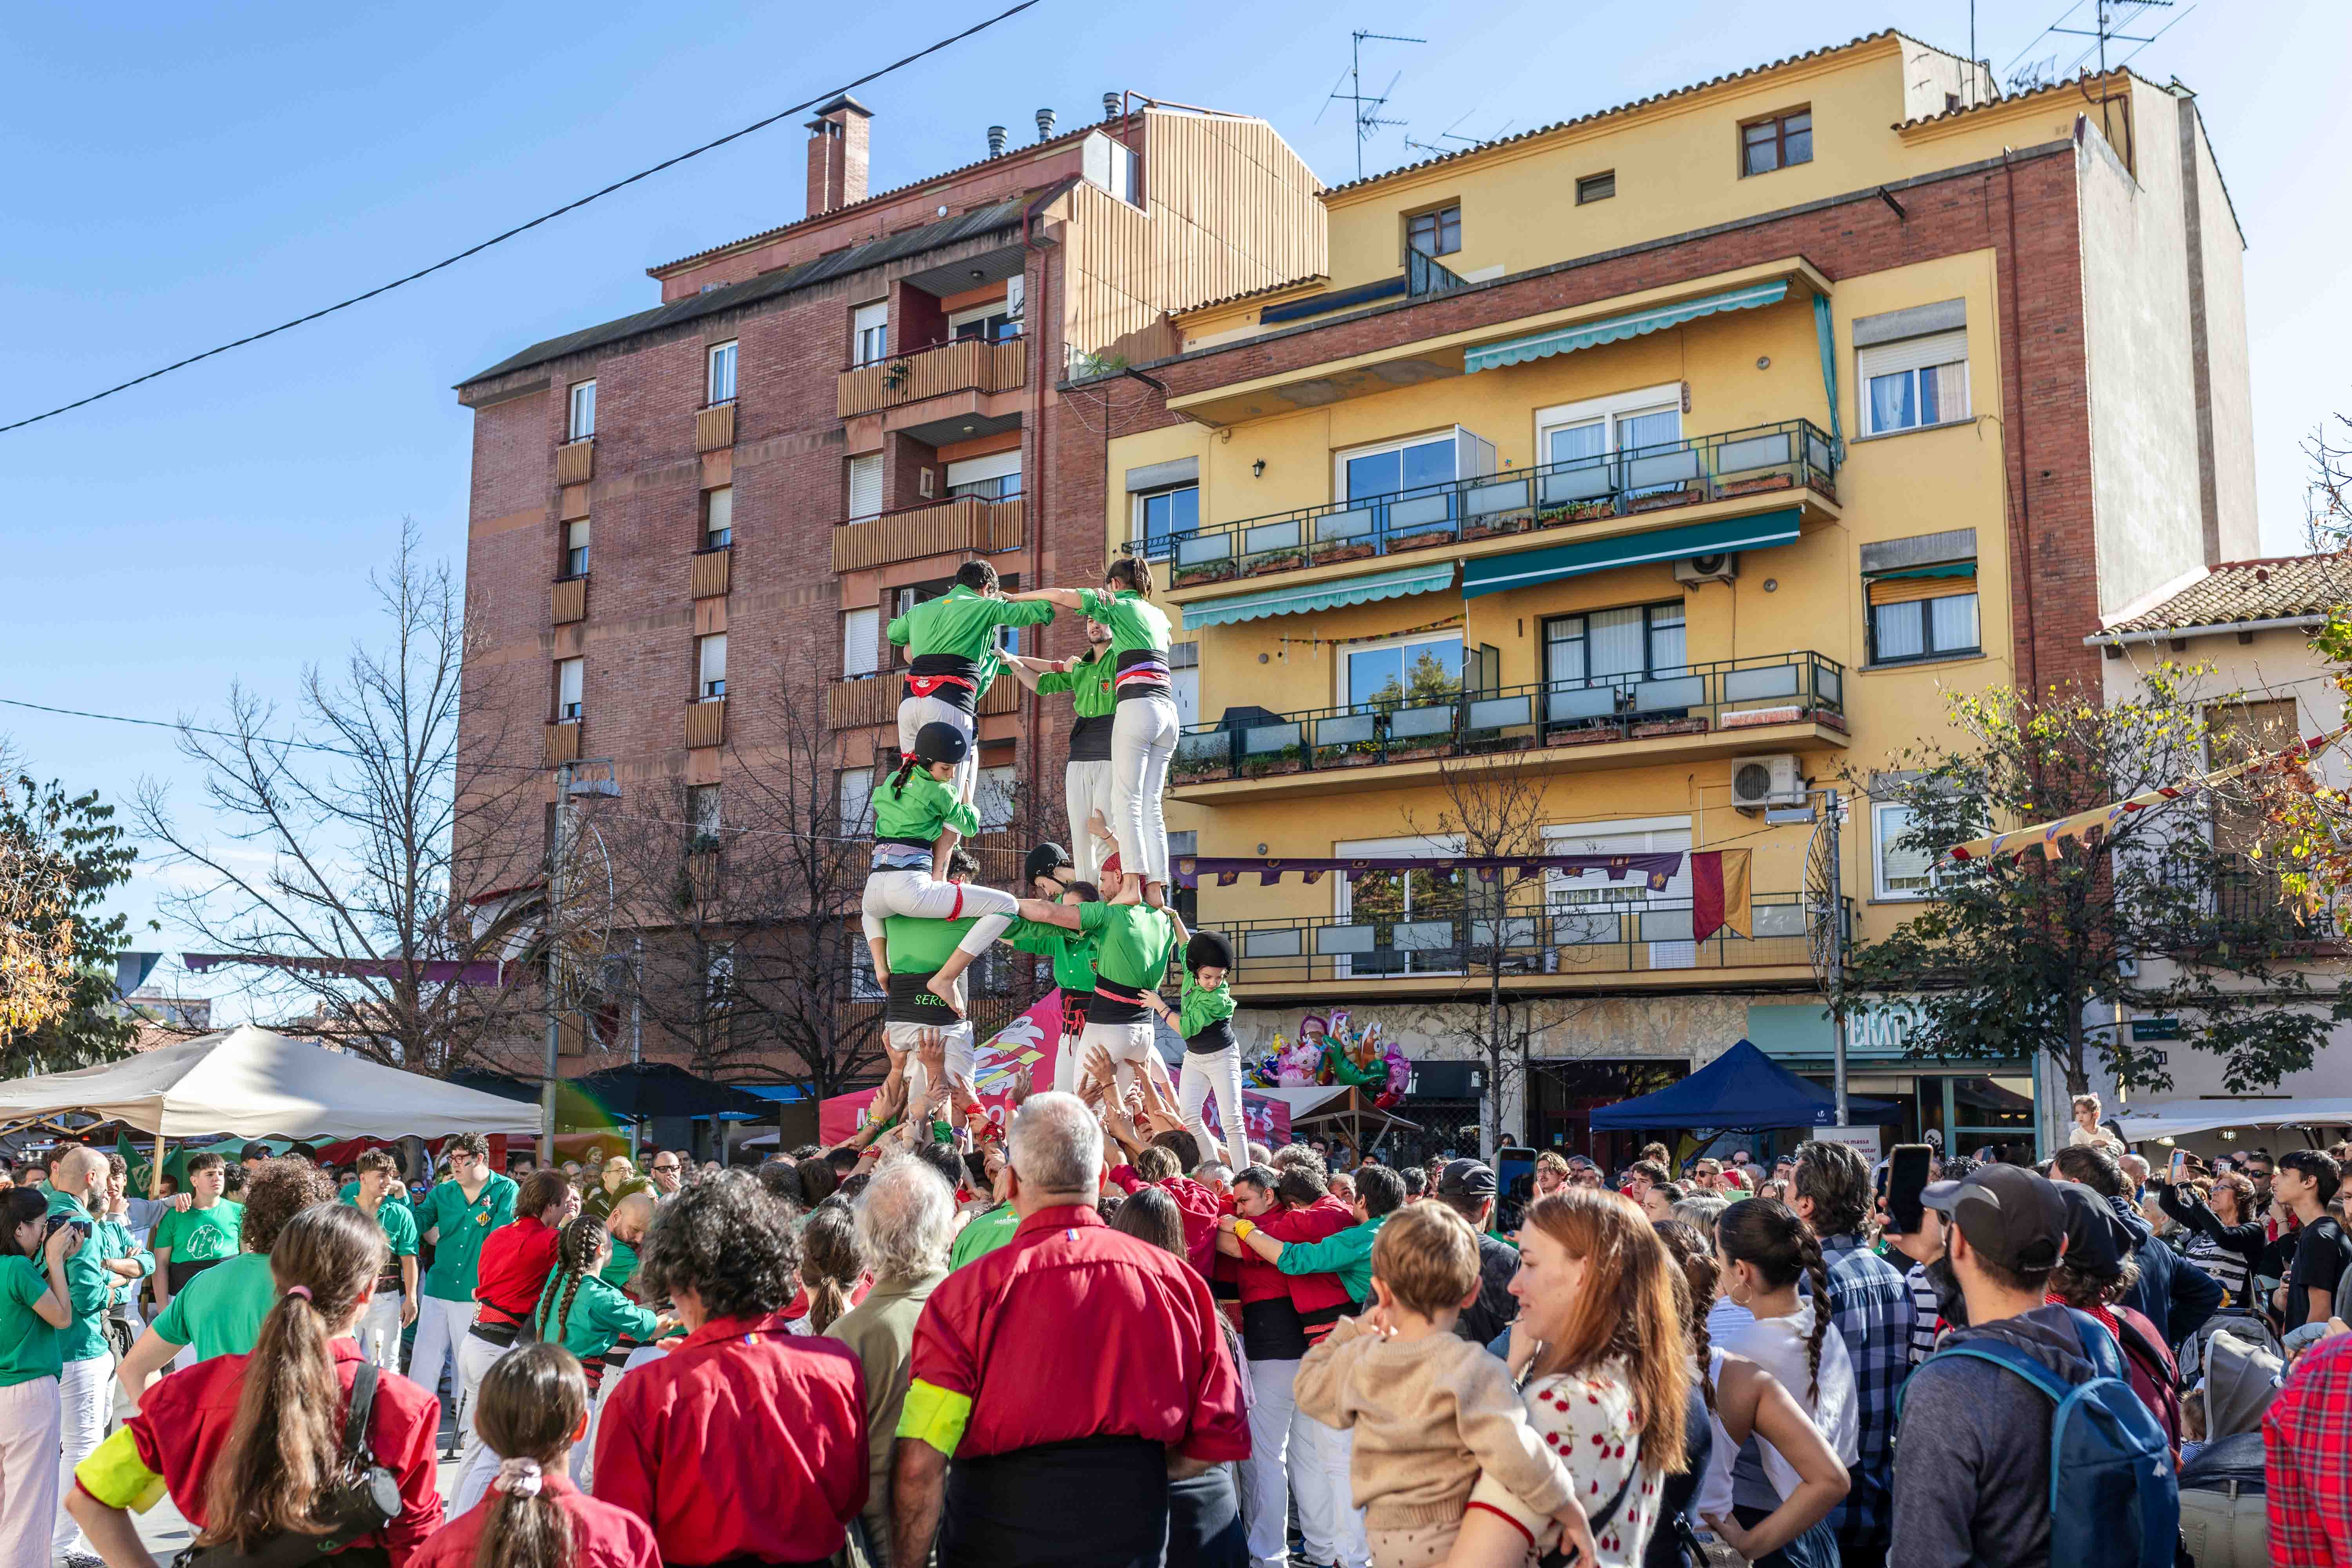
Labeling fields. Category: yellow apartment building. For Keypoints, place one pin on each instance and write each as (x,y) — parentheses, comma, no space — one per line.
(1649,477)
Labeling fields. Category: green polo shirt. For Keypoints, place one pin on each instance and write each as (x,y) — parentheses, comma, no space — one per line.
(221,1311)
(599,1315)
(199,1235)
(395,1194)
(1089,683)
(920,807)
(399,1227)
(622,1263)
(87,1283)
(1072,952)
(458,1253)
(983,1234)
(1348,1254)
(962,622)
(28,1342)
(1132,942)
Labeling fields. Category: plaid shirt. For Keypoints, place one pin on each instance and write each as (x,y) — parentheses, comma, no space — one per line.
(1872,1310)
(2307,1442)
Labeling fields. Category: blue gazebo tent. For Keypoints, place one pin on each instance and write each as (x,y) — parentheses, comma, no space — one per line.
(1742,1091)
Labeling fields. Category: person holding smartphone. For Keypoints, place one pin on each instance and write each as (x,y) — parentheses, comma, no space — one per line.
(2227,1237)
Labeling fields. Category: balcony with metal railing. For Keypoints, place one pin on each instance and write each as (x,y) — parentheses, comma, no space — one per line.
(1444,950)
(1695,478)
(1722,707)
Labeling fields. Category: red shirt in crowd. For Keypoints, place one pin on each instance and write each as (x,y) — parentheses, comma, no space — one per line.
(516,1259)
(602,1536)
(1073,1330)
(745,1441)
(184,1423)
(1198,1206)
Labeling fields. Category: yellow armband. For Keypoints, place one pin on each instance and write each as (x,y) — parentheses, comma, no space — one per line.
(1242,1229)
(116,1475)
(935,1416)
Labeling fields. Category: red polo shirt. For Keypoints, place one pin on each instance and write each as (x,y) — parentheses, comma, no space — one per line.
(745,1441)
(602,1536)
(184,1424)
(1196,1204)
(1073,1330)
(516,1260)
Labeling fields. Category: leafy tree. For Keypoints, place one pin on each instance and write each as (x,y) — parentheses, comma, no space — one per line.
(2162,911)
(60,853)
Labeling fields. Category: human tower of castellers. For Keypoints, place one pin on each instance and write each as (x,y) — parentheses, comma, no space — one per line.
(1096,1334)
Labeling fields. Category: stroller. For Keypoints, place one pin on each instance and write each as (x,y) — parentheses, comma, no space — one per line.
(2224,1518)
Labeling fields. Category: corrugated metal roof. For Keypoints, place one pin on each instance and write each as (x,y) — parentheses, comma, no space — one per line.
(2280,588)
(767,286)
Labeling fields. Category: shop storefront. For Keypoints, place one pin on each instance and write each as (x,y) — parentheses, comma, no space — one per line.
(1563,1096)
(1969,1105)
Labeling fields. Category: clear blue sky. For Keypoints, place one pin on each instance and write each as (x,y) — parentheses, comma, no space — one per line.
(182,175)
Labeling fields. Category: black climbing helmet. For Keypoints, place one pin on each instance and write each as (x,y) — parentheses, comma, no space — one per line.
(940,741)
(1208,949)
(1044,861)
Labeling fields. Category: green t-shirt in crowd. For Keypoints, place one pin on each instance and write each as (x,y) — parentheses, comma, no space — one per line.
(457,1255)
(918,946)
(88,1286)
(395,1194)
(1132,942)
(399,1227)
(984,1233)
(599,1315)
(28,1342)
(199,1235)
(221,1311)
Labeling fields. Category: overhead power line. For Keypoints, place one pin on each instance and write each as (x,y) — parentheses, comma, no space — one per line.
(472,250)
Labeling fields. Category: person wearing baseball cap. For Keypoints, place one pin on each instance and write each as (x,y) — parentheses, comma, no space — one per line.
(1973,1471)
(1469,1189)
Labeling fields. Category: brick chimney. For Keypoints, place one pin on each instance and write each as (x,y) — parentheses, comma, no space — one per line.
(836,155)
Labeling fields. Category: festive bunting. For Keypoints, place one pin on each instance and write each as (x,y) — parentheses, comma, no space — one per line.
(1656,869)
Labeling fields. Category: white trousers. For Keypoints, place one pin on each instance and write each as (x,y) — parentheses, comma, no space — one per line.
(1085,789)
(478,1466)
(914,713)
(1288,1455)
(913,892)
(379,1331)
(1142,741)
(1129,1044)
(1218,1073)
(959,1049)
(441,1326)
(28,1472)
(84,1394)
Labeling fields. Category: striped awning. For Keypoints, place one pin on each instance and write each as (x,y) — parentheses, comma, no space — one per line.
(1329,595)
(1615,328)
(1497,574)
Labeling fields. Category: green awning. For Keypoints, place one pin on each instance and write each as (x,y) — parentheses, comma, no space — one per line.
(1497,574)
(1329,594)
(1952,569)
(1615,328)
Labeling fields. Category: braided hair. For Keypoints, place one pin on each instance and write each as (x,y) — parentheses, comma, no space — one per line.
(577,1247)
(906,765)
(1693,1292)
(1767,1234)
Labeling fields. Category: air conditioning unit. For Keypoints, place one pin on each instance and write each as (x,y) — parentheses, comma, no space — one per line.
(1760,782)
(1720,568)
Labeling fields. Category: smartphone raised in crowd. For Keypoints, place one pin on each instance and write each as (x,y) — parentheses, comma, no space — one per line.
(1907,1167)
(2179,1166)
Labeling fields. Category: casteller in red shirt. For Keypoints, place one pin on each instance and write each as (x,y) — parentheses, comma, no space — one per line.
(516,1260)
(602,1536)
(185,1421)
(1195,1204)
(745,1441)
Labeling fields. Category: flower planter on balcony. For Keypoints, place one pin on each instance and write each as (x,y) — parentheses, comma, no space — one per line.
(1418,752)
(1200,770)
(1205,571)
(1761,482)
(1286,561)
(1287,761)
(1346,756)
(1583,735)
(1423,540)
(1493,529)
(1354,550)
(1688,495)
(1669,727)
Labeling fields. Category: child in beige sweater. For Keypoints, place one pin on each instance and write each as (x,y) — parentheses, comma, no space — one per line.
(1430,1411)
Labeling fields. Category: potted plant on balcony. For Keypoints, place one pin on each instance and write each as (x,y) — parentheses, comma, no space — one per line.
(1344,550)
(1657,501)
(1273,560)
(1198,768)
(1216,570)
(1657,727)
(1421,538)
(1494,525)
(1346,754)
(1265,765)
(1754,483)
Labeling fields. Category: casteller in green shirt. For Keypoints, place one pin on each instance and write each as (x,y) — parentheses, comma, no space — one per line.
(28,1342)
(220,1311)
(399,1230)
(983,1234)
(199,1235)
(596,1316)
(89,1284)
(1132,942)
(463,1224)
(395,1194)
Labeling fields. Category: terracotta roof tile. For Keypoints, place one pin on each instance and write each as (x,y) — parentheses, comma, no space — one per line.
(2279,588)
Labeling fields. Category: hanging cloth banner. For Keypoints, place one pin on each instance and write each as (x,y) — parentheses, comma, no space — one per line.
(1656,869)
(2051,838)
(1719,893)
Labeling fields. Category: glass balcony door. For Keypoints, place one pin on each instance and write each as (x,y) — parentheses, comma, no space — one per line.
(1400,489)
(1414,673)
(1588,908)
(1608,435)
(1398,922)
(1608,662)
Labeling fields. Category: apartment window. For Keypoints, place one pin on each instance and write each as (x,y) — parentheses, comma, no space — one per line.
(1900,870)
(1588,433)
(702,810)
(1777,143)
(720,381)
(853,790)
(1435,233)
(719,517)
(861,642)
(1913,384)
(710,666)
(718,974)
(865,486)
(1930,612)
(869,332)
(1609,647)
(1596,187)
(1407,672)
(575,548)
(994,323)
(1162,517)
(570,674)
(997,477)
(1420,463)
(583,411)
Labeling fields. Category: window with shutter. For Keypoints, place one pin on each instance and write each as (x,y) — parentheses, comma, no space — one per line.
(865,487)
(710,666)
(869,332)
(1904,870)
(719,517)
(1914,383)
(570,676)
(861,642)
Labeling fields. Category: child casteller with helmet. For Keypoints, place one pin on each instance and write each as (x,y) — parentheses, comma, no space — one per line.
(919,819)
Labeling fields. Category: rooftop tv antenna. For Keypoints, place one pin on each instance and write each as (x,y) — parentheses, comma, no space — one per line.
(1449,134)
(1368,118)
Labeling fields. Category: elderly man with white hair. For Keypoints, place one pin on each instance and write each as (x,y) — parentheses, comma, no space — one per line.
(906,1221)
(1071,1374)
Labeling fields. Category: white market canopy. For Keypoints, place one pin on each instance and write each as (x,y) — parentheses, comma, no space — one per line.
(2178,1118)
(250,1083)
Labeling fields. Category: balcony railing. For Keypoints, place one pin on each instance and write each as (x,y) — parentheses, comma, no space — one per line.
(709,571)
(1725,695)
(941,528)
(714,426)
(862,701)
(2246,895)
(967,364)
(1615,936)
(575,461)
(567,600)
(1790,455)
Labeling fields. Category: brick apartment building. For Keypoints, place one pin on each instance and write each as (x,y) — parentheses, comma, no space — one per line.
(688,526)
(1674,457)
